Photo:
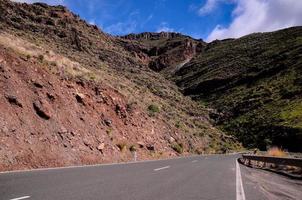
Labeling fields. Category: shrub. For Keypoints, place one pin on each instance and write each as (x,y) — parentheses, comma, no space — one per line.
(41,58)
(132,148)
(92,77)
(177,147)
(178,124)
(122,146)
(53,63)
(277,152)
(109,133)
(153,109)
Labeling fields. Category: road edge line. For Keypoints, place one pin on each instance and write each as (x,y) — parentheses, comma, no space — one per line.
(240,195)
(19,198)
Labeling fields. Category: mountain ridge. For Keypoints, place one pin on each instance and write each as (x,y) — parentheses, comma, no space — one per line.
(212,75)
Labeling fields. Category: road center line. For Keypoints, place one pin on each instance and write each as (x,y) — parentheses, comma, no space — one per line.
(194,161)
(239,186)
(166,167)
(19,198)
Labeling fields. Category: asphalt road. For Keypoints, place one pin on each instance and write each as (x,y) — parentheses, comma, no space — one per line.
(198,177)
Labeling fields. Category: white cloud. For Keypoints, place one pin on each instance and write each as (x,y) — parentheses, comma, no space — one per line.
(121,28)
(252,16)
(164,27)
(208,7)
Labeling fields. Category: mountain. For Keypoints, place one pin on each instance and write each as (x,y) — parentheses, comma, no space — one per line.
(167,52)
(251,83)
(72,94)
(254,83)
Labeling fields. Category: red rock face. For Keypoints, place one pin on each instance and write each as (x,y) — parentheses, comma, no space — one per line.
(164,50)
(46,121)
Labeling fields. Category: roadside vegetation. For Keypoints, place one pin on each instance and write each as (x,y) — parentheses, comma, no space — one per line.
(276,152)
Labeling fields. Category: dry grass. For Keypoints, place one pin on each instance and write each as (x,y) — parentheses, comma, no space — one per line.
(122,146)
(276,152)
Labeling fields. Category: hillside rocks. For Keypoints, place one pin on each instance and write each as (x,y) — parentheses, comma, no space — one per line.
(13,100)
(101,147)
(42,109)
(56,121)
(80,98)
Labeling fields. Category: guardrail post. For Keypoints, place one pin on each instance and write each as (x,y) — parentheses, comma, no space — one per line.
(134,156)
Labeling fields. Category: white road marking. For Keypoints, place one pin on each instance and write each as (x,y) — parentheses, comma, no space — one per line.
(194,161)
(166,167)
(239,186)
(19,198)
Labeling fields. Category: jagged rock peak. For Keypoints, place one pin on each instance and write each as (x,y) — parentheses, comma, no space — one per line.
(153,36)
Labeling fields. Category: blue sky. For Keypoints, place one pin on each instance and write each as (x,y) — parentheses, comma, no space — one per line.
(206,19)
(134,16)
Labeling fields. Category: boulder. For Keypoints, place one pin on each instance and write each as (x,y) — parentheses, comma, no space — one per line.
(37,83)
(80,98)
(171,139)
(150,147)
(141,144)
(13,100)
(42,109)
(101,147)
(108,122)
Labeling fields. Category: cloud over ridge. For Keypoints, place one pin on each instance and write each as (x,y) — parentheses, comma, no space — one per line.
(259,16)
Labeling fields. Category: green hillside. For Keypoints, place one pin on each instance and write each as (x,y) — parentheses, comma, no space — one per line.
(254,84)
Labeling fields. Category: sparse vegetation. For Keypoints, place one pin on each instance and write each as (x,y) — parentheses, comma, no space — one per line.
(132,148)
(178,147)
(277,152)
(153,109)
(41,58)
(255,88)
(109,133)
(122,146)
(178,124)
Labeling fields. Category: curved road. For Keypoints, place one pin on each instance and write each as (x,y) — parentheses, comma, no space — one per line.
(198,177)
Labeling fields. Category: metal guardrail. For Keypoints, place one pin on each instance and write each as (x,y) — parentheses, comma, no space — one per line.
(290,154)
(297,162)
